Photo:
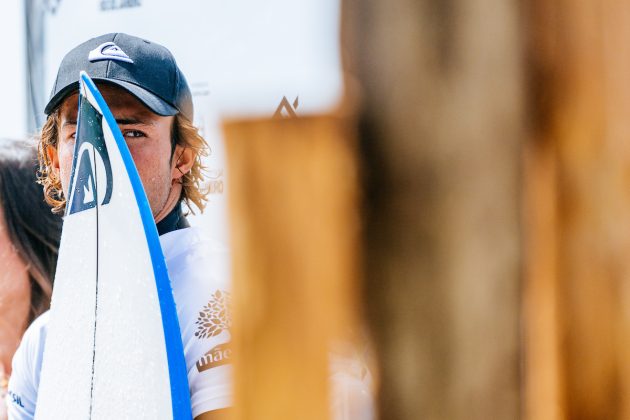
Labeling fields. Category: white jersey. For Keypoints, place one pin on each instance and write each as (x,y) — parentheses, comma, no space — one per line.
(199,270)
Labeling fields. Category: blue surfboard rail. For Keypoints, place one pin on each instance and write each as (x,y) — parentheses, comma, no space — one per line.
(180,394)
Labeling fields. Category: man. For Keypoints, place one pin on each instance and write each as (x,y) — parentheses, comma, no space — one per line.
(152,104)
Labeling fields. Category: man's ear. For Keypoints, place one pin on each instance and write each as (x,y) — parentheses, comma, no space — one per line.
(183,161)
(53,158)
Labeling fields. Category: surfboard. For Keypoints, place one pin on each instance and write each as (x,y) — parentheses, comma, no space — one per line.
(113,348)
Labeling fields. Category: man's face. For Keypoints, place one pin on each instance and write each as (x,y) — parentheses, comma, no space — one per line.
(148,137)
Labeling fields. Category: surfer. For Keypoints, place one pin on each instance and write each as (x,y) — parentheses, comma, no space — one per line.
(29,240)
(152,104)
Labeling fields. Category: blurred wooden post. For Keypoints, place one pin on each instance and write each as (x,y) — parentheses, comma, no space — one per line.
(579,66)
(543,385)
(294,227)
(442,133)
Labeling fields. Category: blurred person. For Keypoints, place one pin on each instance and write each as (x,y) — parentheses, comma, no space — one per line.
(29,240)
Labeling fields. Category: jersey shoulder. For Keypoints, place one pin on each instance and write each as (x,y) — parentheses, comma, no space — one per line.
(199,269)
(195,261)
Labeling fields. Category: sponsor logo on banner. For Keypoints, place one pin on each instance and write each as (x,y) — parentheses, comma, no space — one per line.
(285,109)
(51,6)
(215,181)
(200,89)
(107,5)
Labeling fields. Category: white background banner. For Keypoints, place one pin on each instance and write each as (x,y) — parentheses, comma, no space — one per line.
(241,58)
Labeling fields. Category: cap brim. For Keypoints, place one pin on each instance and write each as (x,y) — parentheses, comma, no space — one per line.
(150,100)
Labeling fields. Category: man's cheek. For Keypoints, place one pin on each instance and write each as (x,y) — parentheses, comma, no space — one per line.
(65,166)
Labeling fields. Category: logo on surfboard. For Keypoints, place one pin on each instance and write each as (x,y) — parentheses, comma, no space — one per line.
(92,172)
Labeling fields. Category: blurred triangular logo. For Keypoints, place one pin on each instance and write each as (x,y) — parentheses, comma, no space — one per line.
(286,109)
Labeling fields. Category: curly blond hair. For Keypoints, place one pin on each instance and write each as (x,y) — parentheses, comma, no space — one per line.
(183,133)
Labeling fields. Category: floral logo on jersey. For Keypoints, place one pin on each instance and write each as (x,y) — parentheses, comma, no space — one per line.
(216,316)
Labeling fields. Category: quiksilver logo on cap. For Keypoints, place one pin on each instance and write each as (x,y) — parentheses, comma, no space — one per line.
(109,51)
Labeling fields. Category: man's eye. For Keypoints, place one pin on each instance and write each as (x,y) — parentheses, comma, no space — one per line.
(134,134)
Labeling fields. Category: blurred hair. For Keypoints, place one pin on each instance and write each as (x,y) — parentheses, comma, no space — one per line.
(183,133)
(33,229)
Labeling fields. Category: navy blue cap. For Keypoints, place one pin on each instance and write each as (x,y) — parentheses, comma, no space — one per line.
(145,69)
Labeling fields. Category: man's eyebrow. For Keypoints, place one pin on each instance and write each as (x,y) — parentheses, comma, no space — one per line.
(131,121)
(69,122)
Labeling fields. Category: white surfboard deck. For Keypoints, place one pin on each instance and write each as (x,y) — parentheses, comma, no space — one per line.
(113,348)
